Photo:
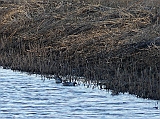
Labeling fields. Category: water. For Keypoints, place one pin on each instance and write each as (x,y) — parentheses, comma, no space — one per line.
(25,96)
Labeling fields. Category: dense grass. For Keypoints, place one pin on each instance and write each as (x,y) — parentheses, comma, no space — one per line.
(109,42)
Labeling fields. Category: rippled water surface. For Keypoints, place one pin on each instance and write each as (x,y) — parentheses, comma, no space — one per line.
(25,96)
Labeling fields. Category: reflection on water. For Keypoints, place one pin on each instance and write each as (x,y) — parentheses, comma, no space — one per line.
(29,97)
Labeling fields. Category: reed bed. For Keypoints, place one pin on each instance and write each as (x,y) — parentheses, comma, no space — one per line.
(114,43)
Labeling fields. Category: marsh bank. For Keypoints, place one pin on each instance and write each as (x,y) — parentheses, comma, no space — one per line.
(113,43)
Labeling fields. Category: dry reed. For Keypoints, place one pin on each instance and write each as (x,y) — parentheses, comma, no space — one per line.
(114,43)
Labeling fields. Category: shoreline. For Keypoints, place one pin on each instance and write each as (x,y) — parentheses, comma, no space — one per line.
(118,48)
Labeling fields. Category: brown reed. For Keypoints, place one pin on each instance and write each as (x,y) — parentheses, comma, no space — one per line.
(114,43)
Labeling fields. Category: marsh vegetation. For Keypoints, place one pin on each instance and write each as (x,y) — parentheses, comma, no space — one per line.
(114,43)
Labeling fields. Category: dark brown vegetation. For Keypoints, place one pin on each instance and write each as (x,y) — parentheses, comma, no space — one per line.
(115,43)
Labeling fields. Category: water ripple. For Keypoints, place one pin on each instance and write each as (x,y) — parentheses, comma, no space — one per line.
(27,96)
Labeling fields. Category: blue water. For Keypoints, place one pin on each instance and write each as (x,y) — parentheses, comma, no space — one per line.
(24,96)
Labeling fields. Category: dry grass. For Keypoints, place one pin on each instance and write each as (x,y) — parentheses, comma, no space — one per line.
(111,42)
